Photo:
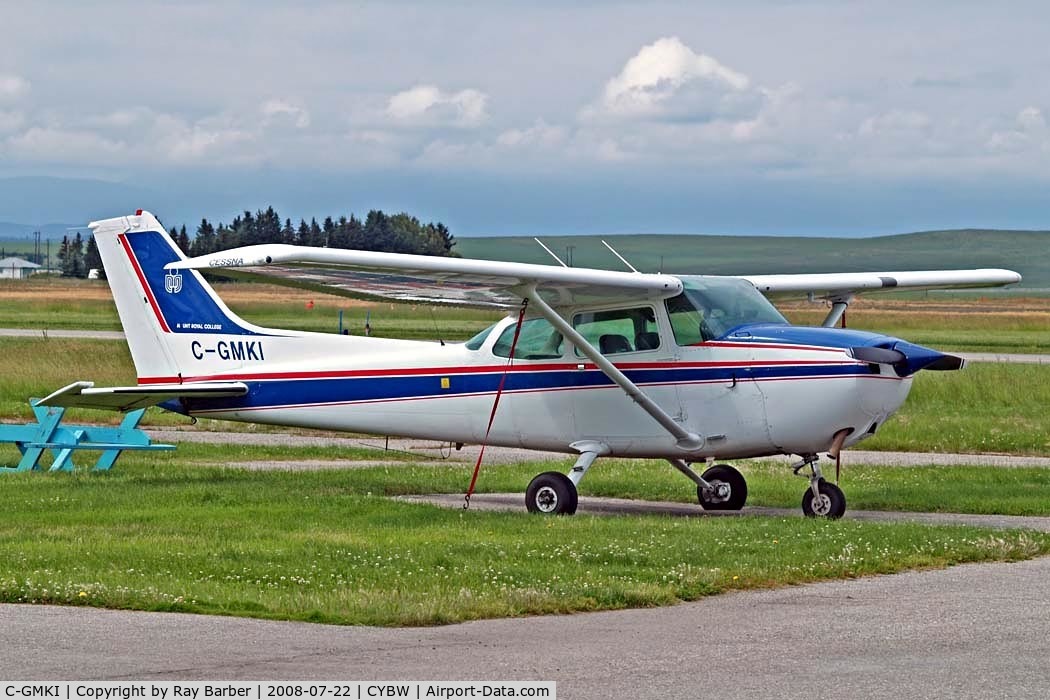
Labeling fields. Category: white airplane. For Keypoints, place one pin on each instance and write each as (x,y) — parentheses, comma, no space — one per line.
(685,368)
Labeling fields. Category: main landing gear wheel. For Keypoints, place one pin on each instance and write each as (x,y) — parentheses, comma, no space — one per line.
(831,503)
(551,493)
(730,489)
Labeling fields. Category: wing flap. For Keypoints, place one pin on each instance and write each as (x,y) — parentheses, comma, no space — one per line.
(127,398)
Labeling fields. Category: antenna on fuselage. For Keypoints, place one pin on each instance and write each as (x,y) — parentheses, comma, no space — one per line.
(622,259)
(549,251)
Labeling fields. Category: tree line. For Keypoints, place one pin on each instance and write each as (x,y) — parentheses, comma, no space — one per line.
(397,233)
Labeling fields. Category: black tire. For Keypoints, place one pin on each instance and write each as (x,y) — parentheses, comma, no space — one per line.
(832,502)
(723,474)
(551,493)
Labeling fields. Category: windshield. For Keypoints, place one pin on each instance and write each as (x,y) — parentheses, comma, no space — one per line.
(477,341)
(712,307)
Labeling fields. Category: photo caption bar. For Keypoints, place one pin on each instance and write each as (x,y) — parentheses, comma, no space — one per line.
(276,690)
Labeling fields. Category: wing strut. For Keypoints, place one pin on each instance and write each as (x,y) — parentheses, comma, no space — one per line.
(687,441)
(839,303)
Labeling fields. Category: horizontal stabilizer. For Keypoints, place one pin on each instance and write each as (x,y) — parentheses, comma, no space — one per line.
(127,398)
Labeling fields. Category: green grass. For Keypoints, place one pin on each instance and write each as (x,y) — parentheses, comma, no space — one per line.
(962,330)
(958,489)
(50,307)
(315,546)
(984,408)
(199,453)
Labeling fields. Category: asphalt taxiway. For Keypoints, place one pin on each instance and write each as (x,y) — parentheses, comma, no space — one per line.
(973,631)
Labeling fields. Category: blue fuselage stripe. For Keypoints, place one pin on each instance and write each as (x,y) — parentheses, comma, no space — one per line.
(292,392)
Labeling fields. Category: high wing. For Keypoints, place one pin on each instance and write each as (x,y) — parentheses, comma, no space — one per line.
(840,288)
(843,284)
(427,278)
(127,398)
(476,282)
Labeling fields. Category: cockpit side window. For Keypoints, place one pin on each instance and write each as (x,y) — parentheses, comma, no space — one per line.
(712,307)
(538,341)
(619,330)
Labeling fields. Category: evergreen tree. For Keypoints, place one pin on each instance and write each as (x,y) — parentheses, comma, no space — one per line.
(228,236)
(327,231)
(64,261)
(75,253)
(269,225)
(204,242)
(399,233)
(92,259)
(183,240)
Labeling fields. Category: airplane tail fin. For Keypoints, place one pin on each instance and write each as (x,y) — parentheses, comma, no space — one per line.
(171,317)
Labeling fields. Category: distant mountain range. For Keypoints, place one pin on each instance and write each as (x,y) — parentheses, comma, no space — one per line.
(52,205)
(25,200)
(13,232)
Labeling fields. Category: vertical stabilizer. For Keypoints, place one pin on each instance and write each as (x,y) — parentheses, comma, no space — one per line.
(168,316)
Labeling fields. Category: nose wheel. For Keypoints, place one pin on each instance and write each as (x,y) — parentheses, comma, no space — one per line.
(828,502)
(822,499)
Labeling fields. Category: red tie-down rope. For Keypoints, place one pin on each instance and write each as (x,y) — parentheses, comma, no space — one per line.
(495,404)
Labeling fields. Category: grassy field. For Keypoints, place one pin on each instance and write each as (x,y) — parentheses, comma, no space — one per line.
(169,532)
(1016,324)
(959,489)
(317,546)
(87,304)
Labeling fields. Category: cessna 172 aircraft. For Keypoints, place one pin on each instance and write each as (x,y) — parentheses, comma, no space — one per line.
(685,368)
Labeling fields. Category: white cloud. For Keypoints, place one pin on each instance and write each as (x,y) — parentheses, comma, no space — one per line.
(667,79)
(1029,131)
(11,121)
(112,138)
(282,112)
(1031,119)
(215,140)
(12,87)
(49,145)
(539,134)
(894,121)
(428,105)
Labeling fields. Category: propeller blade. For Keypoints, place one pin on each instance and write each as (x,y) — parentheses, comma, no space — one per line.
(947,363)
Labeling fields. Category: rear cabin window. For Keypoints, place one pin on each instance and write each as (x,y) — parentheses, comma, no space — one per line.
(619,330)
(538,341)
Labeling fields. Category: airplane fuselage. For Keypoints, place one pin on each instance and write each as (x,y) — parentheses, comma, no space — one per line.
(745,397)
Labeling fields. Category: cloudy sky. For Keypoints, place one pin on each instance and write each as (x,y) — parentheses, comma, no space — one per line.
(506,118)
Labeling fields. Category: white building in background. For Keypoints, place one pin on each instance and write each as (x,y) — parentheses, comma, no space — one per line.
(16,268)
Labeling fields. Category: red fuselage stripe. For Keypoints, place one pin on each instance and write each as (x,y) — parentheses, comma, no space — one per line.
(145,288)
(481,369)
